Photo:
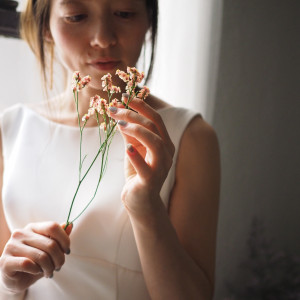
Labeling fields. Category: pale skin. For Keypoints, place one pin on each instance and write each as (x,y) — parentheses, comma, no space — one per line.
(176,245)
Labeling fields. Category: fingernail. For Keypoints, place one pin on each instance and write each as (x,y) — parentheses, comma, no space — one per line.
(51,276)
(68,251)
(130,148)
(57,270)
(125,95)
(122,123)
(113,109)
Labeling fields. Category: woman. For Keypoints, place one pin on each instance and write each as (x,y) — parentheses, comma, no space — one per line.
(149,234)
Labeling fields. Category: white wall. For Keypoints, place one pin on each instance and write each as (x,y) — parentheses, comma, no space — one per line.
(188,44)
(19,76)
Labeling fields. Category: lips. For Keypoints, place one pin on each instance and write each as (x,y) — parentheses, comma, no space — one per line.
(104,64)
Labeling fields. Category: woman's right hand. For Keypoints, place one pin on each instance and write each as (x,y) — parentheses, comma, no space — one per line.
(33,252)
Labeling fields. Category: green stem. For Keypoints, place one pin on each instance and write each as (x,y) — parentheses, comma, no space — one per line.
(103,145)
(105,152)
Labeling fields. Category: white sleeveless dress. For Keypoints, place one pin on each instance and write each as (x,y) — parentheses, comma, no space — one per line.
(40,177)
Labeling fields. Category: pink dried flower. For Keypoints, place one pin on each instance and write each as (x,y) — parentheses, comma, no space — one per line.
(85,117)
(91,111)
(85,80)
(103,126)
(106,82)
(76,76)
(124,76)
(101,106)
(143,93)
(94,100)
(135,75)
(108,86)
(115,89)
(114,102)
(79,83)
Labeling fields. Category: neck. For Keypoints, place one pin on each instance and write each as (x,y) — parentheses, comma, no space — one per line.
(68,106)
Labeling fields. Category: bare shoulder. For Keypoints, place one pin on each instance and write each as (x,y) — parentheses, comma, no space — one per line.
(194,202)
(199,159)
(199,134)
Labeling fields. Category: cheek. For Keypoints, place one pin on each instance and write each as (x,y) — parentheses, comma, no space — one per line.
(65,42)
(135,43)
(62,39)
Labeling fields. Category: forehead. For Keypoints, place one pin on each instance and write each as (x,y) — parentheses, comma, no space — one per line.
(87,2)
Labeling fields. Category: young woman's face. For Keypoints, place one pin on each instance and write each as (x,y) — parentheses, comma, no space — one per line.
(98,36)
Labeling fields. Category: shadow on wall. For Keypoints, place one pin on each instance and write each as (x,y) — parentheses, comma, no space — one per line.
(256,117)
(267,272)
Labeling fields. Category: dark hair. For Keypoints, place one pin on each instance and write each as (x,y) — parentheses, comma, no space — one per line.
(35,24)
(152,7)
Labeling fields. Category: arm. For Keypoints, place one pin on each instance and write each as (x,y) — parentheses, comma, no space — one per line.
(4,231)
(178,254)
(176,248)
(29,253)
(4,236)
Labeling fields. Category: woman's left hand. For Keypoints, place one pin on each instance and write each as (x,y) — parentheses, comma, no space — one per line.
(149,156)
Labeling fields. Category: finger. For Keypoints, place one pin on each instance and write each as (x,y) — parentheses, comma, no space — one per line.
(147,111)
(39,257)
(12,265)
(138,162)
(67,229)
(54,231)
(152,142)
(132,117)
(48,246)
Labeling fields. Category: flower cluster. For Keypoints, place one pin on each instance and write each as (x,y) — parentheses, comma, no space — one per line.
(143,93)
(108,86)
(78,82)
(99,107)
(96,104)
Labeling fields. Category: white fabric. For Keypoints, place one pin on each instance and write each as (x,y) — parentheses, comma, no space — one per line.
(40,177)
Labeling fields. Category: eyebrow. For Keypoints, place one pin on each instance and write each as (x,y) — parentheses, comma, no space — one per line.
(66,2)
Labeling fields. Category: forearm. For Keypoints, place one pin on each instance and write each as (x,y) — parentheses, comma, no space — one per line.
(169,272)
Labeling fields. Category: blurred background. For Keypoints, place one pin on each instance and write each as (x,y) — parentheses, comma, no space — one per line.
(236,62)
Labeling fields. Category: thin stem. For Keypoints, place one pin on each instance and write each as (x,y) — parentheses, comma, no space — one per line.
(104,159)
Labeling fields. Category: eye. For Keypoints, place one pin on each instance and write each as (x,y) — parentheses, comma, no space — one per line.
(75,18)
(124,14)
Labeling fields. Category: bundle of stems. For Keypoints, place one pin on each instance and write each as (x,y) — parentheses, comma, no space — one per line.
(99,109)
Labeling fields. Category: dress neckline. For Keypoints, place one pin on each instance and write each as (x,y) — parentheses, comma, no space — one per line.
(45,119)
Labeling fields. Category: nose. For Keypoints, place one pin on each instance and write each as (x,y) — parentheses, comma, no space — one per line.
(103,35)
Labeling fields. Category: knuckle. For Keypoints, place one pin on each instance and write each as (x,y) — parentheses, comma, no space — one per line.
(150,125)
(158,142)
(51,245)
(53,227)
(42,257)
(25,264)
(17,234)
(9,248)
(138,130)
